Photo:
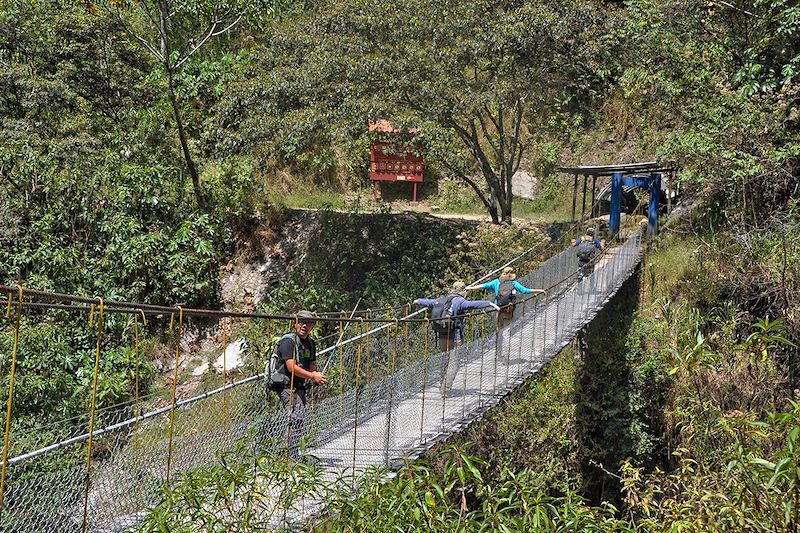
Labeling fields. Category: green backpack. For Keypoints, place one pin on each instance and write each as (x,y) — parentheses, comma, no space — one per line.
(275,373)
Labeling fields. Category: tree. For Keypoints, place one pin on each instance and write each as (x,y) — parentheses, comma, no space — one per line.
(477,76)
(173,31)
(469,78)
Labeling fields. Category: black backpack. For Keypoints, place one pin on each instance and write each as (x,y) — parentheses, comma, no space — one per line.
(275,373)
(441,315)
(586,250)
(506,294)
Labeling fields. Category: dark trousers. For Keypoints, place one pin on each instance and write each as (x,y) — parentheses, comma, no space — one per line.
(449,346)
(585,269)
(503,333)
(295,403)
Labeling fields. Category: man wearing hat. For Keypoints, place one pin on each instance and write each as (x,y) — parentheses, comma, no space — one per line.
(450,337)
(299,354)
(505,289)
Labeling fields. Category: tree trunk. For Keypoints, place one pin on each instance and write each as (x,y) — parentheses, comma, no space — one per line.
(176,111)
(493,213)
(509,197)
(507,212)
(198,190)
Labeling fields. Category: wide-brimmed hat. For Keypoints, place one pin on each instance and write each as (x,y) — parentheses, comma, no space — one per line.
(305,316)
(508,274)
(460,288)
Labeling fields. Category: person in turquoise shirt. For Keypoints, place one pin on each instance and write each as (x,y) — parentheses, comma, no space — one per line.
(505,289)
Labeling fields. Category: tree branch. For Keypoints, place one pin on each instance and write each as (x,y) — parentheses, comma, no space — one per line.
(141,40)
(501,130)
(10,179)
(515,143)
(144,7)
(470,139)
(486,134)
(231,25)
(461,175)
(207,34)
(488,172)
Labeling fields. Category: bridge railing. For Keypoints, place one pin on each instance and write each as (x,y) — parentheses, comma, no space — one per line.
(385,402)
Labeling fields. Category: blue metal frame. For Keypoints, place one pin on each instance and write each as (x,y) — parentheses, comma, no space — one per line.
(652,182)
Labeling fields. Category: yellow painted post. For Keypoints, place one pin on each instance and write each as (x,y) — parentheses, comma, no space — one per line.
(482,330)
(368,350)
(466,365)
(174,387)
(224,353)
(341,368)
(138,355)
(446,363)
(426,358)
(358,377)
(7,434)
(407,311)
(392,385)
(93,408)
(291,393)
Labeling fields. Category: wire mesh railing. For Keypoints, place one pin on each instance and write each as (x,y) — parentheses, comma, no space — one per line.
(392,394)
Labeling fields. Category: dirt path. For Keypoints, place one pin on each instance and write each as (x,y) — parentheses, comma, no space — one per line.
(426,210)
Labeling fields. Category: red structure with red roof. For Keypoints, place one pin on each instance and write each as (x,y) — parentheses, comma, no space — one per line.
(388,162)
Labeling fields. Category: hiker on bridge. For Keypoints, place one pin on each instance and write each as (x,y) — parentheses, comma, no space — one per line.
(505,289)
(447,321)
(586,248)
(294,371)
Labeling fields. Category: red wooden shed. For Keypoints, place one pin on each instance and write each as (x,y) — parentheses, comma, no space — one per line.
(390,162)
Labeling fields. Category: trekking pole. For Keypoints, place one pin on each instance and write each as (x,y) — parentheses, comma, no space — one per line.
(341,335)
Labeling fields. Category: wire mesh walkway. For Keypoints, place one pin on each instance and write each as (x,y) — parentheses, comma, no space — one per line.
(391,396)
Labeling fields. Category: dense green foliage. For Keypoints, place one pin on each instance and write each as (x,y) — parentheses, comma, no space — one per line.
(252,495)
(130,173)
(473,84)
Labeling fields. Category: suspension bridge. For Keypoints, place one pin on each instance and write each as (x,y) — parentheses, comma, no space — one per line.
(384,403)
